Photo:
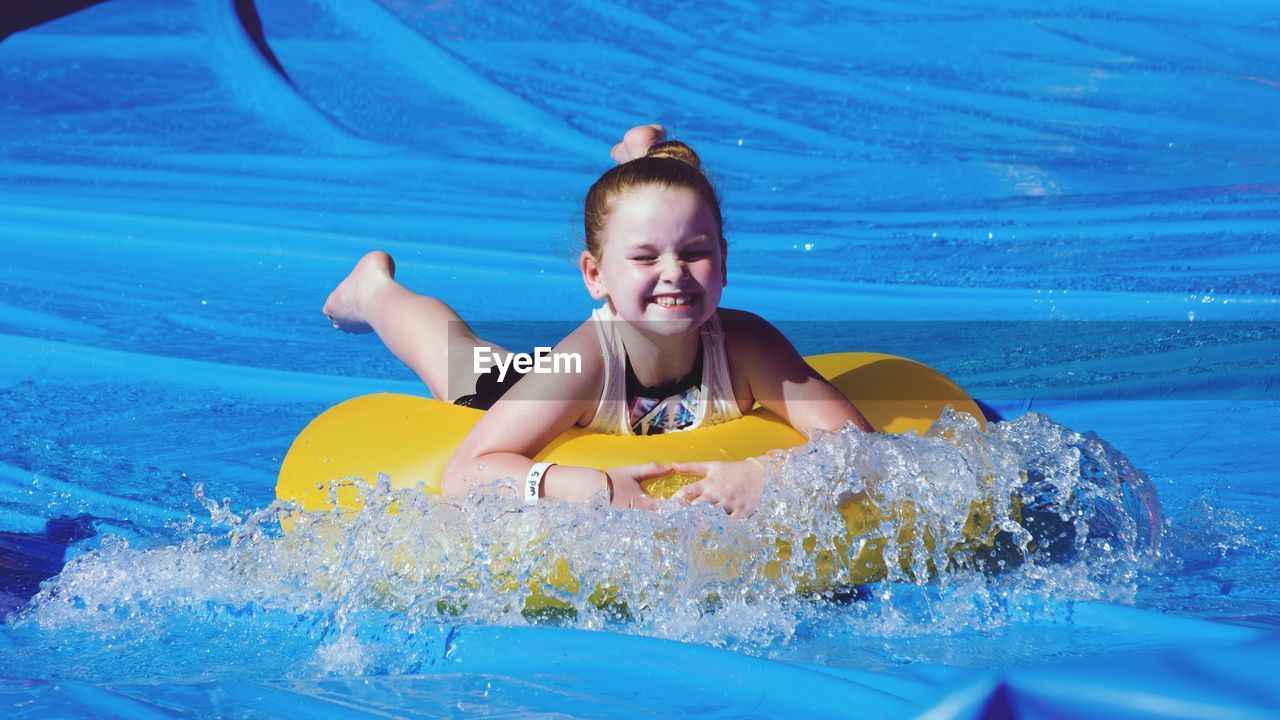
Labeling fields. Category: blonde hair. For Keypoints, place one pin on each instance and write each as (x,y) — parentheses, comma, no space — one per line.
(667,164)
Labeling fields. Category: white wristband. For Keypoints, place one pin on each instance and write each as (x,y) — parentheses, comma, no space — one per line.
(533,481)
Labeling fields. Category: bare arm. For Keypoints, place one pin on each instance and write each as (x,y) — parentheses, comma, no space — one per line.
(528,417)
(785,384)
(531,414)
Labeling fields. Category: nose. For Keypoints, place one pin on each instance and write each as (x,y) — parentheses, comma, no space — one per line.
(671,269)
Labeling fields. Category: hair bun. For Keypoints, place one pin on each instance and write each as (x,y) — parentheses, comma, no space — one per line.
(675,150)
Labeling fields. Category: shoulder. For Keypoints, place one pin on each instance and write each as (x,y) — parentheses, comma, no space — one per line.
(583,339)
(756,352)
(746,333)
(758,349)
(781,380)
(587,368)
(587,381)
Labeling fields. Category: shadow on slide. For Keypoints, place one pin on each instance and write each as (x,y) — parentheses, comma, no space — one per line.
(20,15)
(27,559)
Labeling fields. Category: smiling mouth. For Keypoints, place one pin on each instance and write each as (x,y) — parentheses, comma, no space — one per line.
(671,301)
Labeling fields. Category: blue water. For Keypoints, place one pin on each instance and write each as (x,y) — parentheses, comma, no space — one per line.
(1074,212)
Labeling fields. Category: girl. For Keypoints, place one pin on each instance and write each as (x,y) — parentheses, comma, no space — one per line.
(660,355)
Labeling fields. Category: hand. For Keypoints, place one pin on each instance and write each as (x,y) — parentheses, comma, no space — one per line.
(627,493)
(735,487)
(637,142)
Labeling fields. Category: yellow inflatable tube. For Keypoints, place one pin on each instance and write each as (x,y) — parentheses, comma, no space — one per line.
(411,438)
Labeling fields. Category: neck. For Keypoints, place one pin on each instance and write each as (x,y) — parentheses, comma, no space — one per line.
(656,359)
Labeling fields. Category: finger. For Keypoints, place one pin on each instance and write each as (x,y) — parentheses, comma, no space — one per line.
(689,493)
(640,502)
(651,470)
(697,468)
(617,154)
(708,498)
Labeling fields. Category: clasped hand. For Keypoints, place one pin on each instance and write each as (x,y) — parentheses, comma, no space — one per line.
(735,487)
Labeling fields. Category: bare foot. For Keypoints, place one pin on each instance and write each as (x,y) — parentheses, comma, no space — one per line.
(637,142)
(344,308)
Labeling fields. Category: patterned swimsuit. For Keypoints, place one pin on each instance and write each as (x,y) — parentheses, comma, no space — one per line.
(665,408)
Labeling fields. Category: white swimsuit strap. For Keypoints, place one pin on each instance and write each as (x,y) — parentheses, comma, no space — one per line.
(720,404)
(612,415)
(610,411)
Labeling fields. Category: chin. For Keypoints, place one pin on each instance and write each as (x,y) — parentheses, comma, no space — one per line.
(673,324)
(671,328)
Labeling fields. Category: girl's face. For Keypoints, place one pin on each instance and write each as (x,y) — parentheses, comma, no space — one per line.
(660,265)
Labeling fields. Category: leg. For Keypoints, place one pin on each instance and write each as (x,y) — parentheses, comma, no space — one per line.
(423,332)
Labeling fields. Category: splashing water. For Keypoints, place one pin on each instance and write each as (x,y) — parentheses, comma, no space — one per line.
(960,528)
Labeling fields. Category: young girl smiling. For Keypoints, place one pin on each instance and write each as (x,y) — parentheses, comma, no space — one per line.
(660,355)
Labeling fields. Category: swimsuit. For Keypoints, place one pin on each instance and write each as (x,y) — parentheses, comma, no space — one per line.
(703,397)
(668,407)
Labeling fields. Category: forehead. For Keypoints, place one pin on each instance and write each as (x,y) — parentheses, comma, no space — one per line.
(657,214)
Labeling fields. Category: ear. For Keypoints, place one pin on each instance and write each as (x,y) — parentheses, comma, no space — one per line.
(591,276)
